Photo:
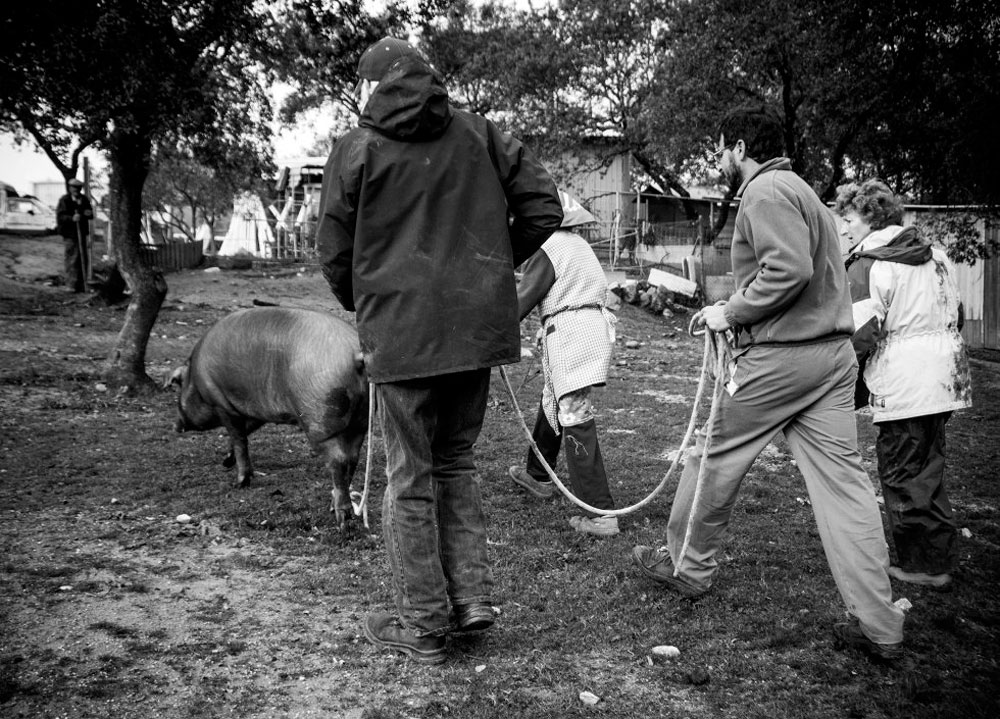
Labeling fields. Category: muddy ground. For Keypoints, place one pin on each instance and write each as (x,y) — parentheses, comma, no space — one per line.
(251,607)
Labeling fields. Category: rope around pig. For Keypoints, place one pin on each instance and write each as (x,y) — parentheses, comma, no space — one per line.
(713,342)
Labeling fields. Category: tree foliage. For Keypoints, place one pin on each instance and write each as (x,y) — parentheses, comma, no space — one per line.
(185,189)
(315,49)
(897,89)
(577,74)
(901,90)
(127,76)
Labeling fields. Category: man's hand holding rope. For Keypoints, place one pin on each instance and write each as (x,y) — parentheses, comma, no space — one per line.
(713,317)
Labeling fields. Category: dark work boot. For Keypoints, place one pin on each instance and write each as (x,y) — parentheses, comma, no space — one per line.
(849,634)
(385,630)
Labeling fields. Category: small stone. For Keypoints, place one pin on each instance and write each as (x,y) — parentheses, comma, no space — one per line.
(183,519)
(667,651)
(101,387)
(480,668)
(904,604)
(589,698)
(633,344)
(966,534)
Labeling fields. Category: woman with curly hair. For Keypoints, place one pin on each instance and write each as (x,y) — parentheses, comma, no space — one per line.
(907,317)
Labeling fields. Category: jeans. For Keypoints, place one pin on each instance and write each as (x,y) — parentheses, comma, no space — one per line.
(432,513)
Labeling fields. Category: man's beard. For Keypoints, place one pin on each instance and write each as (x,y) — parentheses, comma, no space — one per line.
(733,177)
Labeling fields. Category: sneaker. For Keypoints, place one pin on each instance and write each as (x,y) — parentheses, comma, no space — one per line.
(935,581)
(598,526)
(849,634)
(474,617)
(543,490)
(657,565)
(385,630)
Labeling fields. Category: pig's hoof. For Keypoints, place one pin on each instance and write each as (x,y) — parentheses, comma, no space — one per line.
(346,527)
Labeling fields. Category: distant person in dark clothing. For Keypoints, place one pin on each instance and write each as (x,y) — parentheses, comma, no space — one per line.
(73,215)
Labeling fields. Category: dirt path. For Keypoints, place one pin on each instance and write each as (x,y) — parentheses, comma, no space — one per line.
(113,608)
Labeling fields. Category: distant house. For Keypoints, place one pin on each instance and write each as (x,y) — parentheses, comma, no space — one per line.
(597,174)
(49,191)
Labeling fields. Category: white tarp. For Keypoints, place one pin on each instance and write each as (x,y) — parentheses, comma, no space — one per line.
(249,233)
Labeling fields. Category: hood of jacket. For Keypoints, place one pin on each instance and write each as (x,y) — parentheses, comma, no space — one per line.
(777,163)
(409,104)
(904,245)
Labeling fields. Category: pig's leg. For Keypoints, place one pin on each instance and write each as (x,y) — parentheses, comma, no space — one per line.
(252,425)
(238,447)
(341,460)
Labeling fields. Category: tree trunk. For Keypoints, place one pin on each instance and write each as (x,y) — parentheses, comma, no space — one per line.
(129,157)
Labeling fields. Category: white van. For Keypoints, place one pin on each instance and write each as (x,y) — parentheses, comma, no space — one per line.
(24,215)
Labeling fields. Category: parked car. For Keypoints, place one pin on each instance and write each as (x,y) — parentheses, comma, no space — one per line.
(24,214)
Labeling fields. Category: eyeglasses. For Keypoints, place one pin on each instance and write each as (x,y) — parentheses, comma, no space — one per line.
(716,155)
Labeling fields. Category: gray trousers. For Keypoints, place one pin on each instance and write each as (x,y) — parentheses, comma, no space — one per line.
(807,392)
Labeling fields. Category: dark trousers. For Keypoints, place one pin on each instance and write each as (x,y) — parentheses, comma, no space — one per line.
(584,462)
(432,511)
(911,460)
(74,263)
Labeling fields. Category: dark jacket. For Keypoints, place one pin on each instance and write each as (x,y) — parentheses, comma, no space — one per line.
(414,234)
(65,210)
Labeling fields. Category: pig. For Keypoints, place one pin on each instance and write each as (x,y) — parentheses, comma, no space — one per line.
(286,366)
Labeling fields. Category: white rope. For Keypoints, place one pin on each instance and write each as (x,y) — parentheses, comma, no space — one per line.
(720,359)
(680,452)
(360,506)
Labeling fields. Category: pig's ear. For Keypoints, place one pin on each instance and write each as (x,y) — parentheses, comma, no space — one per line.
(176,377)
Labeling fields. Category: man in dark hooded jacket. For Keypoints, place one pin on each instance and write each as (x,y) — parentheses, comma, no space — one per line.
(426,210)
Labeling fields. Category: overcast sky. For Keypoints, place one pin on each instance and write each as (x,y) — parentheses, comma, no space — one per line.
(21,166)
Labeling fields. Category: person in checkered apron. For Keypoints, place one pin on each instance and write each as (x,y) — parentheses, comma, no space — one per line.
(566,282)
